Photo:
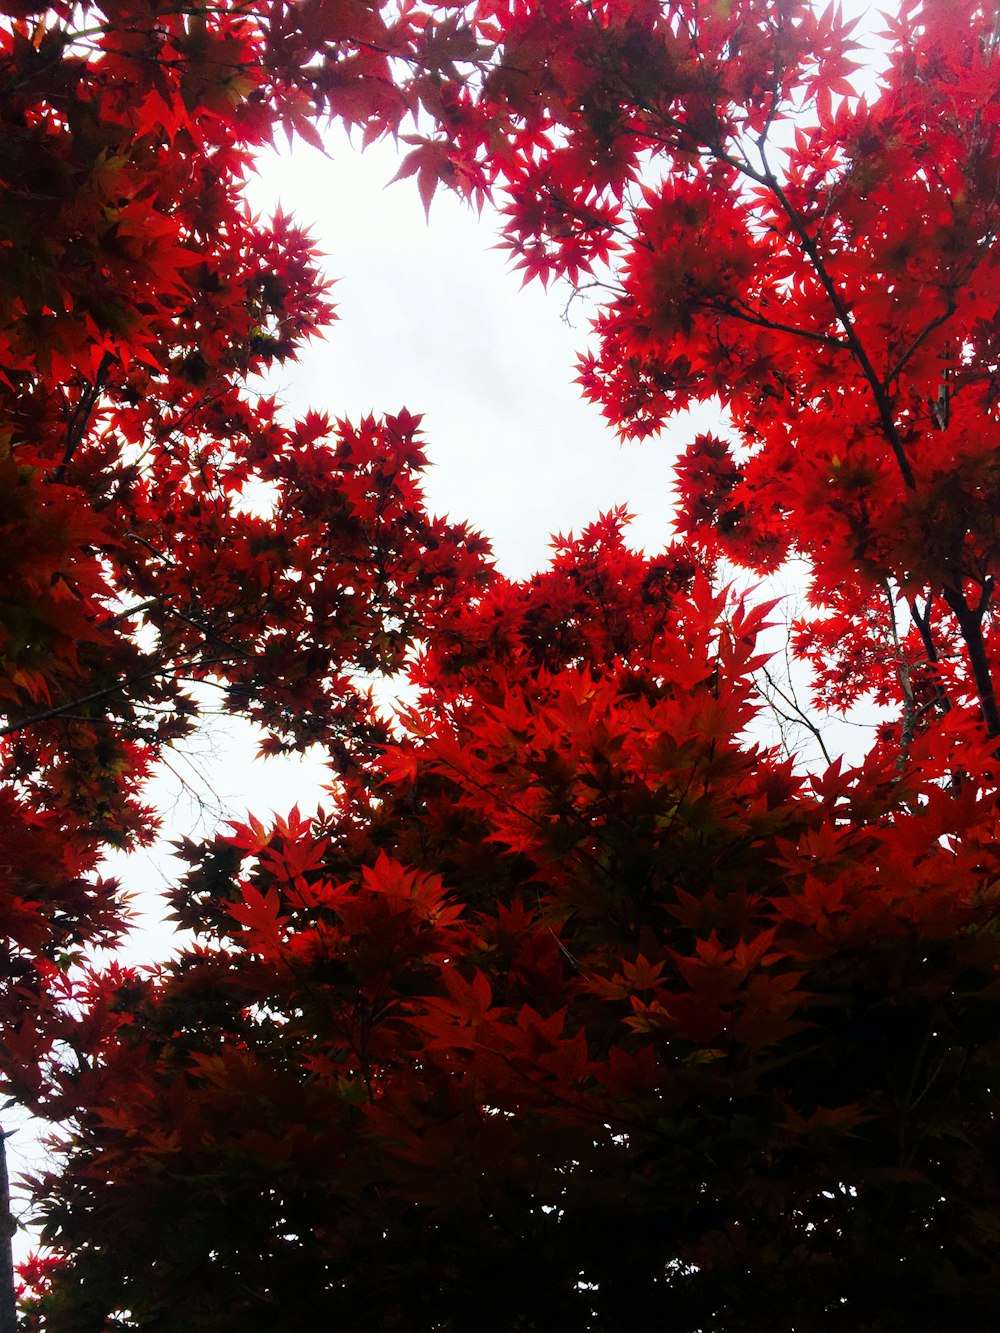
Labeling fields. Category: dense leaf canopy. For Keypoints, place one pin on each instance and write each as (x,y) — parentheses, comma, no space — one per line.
(574,1008)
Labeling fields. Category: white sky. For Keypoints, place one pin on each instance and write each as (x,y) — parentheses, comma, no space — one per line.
(433,319)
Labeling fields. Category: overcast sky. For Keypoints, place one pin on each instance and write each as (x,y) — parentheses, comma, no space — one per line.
(433,318)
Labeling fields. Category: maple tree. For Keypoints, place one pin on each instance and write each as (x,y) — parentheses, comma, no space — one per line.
(139,297)
(590,1014)
(576,1008)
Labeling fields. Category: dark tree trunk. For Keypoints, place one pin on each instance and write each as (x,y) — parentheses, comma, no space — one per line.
(8,1305)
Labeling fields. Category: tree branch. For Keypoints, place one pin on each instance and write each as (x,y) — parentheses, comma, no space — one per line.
(797,715)
(119,687)
(908,722)
(970,623)
(923,624)
(767,178)
(737,310)
(79,420)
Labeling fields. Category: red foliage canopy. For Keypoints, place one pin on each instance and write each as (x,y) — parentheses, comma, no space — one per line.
(576,1009)
(139,296)
(591,1014)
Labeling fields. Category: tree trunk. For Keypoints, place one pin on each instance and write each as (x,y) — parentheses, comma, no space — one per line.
(8,1305)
